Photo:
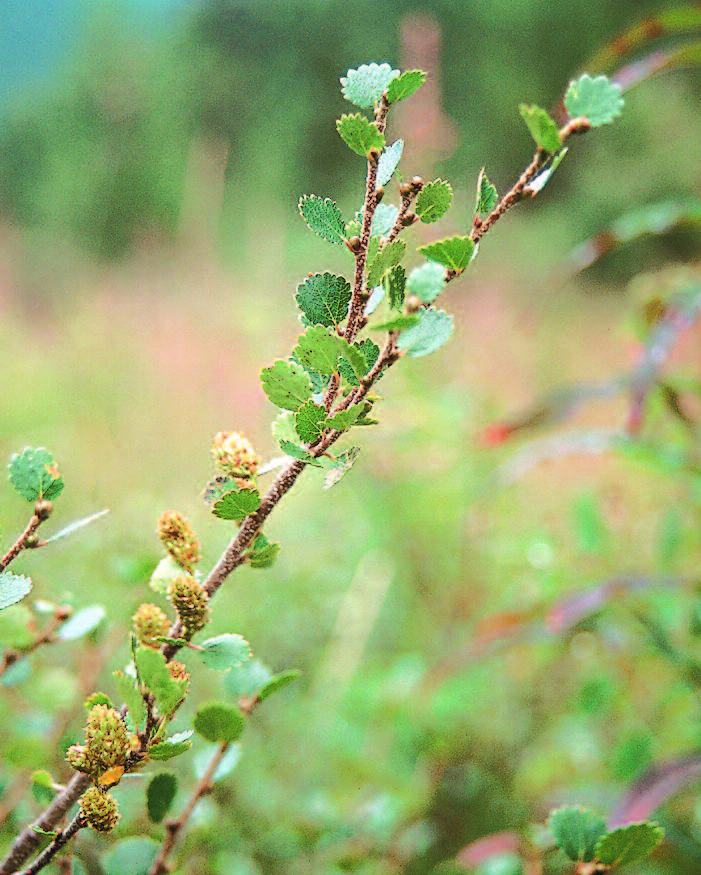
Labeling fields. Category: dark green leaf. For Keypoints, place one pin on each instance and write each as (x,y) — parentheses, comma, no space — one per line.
(398,323)
(366,85)
(344,419)
(629,843)
(360,135)
(432,332)
(264,552)
(455,253)
(340,466)
(388,162)
(387,257)
(133,856)
(218,722)
(597,100)
(576,831)
(130,695)
(286,385)
(278,682)
(237,504)
(224,651)
(358,360)
(324,299)
(171,747)
(13,588)
(487,196)
(426,282)
(294,451)
(34,474)
(310,422)
(433,201)
(153,671)
(318,348)
(543,129)
(323,216)
(160,795)
(405,85)
(395,283)
(82,622)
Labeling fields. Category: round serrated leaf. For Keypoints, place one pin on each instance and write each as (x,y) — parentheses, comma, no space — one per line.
(324,299)
(246,680)
(432,332)
(405,85)
(82,622)
(278,682)
(388,162)
(225,652)
(286,384)
(219,722)
(323,216)
(160,795)
(433,201)
(34,474)
(384,218)
(130,857)
(237,504)
(426,282)
(455,253)
(171,747)
(576,831)
(360,135)
(629,843)
(596,99)
(13,588)
(366,85)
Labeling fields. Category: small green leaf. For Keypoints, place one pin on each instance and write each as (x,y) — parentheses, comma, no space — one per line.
(433,201)
(629,843)
(388,162)
(388,257)
(398,323)
(171,747)
(598,100)
(247,680)
(264,552)
(432,332)
(286,385)
(130,857)
(366,85)
(81,623)
(576,831)
(153,671)
(405,85)
(310,422)
(455,253)
(487,196)
(126,685)
(324,299)
(160,795)
(360,135)
(323,216)
(224,651)
(237,504)
(203,759)
(384,218)
(318,348)
(543,129)
(218,722)
(278,682)
(34,474)
(358,360)
(395,283)
(294,451)
(344,419)
(13,588)
(341,466)
(426,282)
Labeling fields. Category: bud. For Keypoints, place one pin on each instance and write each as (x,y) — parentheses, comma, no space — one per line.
(179,539)
(100,809)
(408,219)
(379,194)
(150,623)
(374,156)
(190,601)
(234,454)
(417,183)
(405,189)
(43,509)
(353,244)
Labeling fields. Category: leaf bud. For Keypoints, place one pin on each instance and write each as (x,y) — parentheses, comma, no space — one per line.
(405,189)
(353,243)
(43,509)
(408,219)
(150,623)
(179,539)
(374,155)
(190,601)
(100,809)
(412,304)
(417,183)
(32,541)
(379,194)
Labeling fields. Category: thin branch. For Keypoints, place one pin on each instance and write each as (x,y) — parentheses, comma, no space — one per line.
(42,511)
(51,850)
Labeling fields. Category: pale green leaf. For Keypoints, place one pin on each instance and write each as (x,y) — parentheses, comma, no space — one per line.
(132,698)
(13,588)
(133,856)
(245,681)
(405,85)
(487,196)
(318,348)
(344,419)
(455,253)
(576,830)
(218,722)
(224,651)
(398,323)
(286,384)
(34,474)
(629,843)
(387,257)
(543,129)
(164,574)
(596,99)
(538,183)
(340,466)
(366,85)
(171,747)
(432,332)
(82,622)
(310,422)
(433,201)
(384,218)
(264,552)
(294,451)
(153,672)
(426,282)
(323,216)
(360,135)
(388,162)
(278,682)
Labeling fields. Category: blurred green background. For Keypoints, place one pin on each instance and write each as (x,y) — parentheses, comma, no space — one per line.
(151,158)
